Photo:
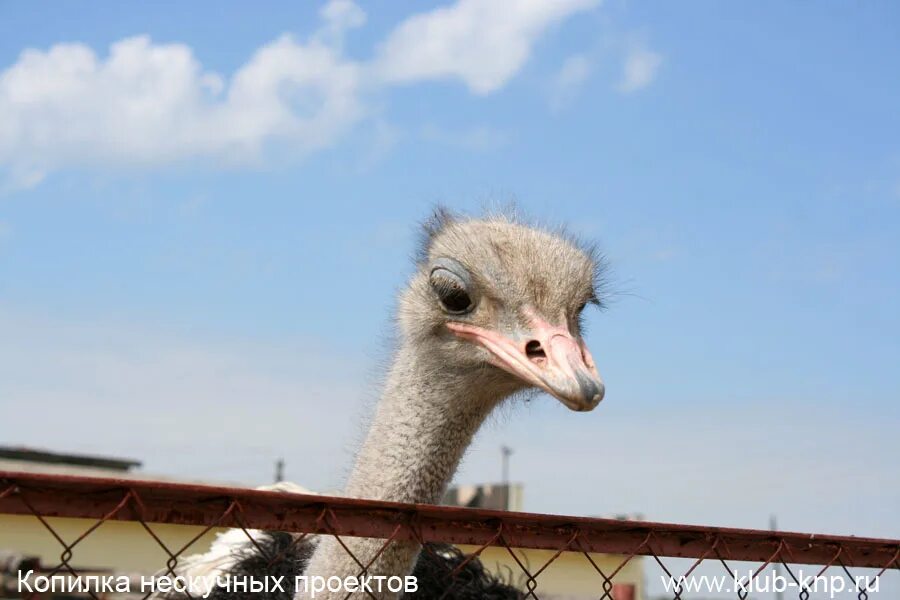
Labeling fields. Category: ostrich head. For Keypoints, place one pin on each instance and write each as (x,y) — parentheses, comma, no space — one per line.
(501,302)
(493,308)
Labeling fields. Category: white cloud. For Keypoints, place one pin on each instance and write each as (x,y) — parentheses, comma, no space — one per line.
(482,42)
(571,76)
(342,15)
(147,104)
(640,69)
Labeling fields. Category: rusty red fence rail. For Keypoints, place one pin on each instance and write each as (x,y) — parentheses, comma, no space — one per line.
(101,499)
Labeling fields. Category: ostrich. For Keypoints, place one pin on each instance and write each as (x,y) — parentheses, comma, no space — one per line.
(493,309)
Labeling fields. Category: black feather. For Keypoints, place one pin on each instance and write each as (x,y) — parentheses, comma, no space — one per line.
(433,575)
(432,226)
(277,555)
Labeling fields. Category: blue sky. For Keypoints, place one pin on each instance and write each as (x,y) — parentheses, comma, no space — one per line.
(201,235)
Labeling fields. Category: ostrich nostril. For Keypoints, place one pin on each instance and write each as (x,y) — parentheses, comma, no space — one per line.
(535,352)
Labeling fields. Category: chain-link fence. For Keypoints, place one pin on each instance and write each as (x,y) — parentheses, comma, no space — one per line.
(542,556)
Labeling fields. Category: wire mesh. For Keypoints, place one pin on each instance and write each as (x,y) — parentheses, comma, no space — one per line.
(858,563)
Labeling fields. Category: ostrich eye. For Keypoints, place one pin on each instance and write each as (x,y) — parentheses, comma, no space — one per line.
(451,291)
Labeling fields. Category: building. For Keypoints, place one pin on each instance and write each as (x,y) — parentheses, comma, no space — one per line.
(496,496)
(119,546)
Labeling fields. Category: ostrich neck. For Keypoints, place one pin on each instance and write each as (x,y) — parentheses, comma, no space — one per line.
(425,421)
(423,424)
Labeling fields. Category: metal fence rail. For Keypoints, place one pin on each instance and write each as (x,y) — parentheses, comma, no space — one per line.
(146,502)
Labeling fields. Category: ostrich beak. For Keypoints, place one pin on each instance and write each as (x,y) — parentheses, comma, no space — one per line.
(546,356)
